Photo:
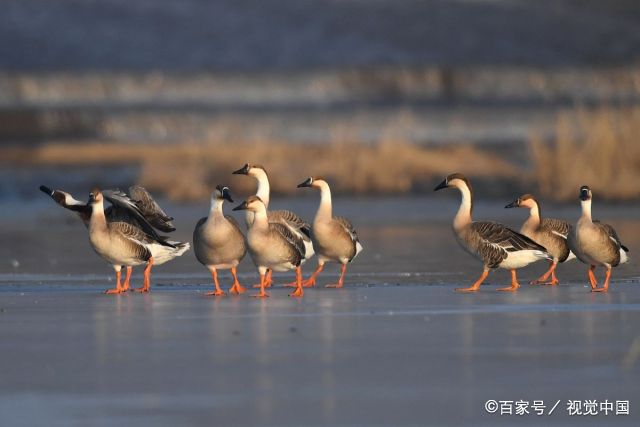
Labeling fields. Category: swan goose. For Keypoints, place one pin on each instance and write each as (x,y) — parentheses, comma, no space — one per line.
(140,210)
(123,244)
(596,243)
(334,239)
(272,245)
(549,232)
(492,243)
(218,242)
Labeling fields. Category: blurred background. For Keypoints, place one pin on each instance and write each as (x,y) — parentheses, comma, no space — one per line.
(379,96)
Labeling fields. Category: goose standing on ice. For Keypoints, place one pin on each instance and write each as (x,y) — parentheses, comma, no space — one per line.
(123,244)
(140,211)
(293,222)
(549,232)
(334,239)
(492,243)
(596,243)
(272,245)
(219,243)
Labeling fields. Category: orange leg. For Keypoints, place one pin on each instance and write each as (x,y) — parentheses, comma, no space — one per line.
(218,292)
(542,280)
(268,280)
(262,293)
(514,283)
(476,285)
(341,280)
(311,281)
(236,288)
(299,291)
(125,286)
(146,283)
(605,287)
(118,288)
(592,277)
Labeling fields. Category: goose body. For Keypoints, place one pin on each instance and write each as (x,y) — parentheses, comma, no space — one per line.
(494,244)
(551,233)
(218,242)
(596,243)
(123,244)
(334,238)
(272,246)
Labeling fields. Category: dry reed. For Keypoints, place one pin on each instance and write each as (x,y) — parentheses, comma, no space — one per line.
(596,148)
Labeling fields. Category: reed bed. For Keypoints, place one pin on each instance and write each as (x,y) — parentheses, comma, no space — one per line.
(598,148)
(189,171)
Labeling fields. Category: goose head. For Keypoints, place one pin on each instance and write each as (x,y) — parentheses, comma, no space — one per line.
(250,169)
(316,182)
(253,204)
(524,201)
(585,193)
(60,197)
(456,180)
(95,196)
(222,193)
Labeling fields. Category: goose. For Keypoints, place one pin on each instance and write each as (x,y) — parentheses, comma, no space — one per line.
(293,222)
(335,239)
(596,243)
(272,245)
(219,243)
(549,232)
(492,243)
(139,198)
(142,213)
(121,243)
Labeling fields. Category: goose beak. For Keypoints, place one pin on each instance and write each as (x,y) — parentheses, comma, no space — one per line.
(46,190)
(442,185)
(514,204)
(226,195)
(306,183)
(584,194)
(241,207)
(242,171)
(92,198)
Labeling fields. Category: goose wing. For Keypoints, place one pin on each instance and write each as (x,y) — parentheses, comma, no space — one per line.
(611,232)
(348,227)
(292,220)
(150,209)
(127,211)
(295,242)
(132,238)
(504,237)
(555,226)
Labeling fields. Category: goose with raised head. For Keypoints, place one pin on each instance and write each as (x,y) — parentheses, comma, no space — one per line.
(123,244)
(551,233)
(494,244)
(293,222)
(596,243)
(218,242)
(143,214)
(334,238)
(272,245)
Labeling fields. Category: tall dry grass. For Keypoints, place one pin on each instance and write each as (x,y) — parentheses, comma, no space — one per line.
(189,171)
(598,148)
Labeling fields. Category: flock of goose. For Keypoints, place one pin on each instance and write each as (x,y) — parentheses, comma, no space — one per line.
(126,235)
